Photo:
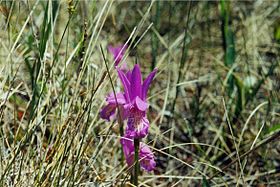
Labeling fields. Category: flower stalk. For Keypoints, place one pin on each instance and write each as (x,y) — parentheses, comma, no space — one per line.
(136,161)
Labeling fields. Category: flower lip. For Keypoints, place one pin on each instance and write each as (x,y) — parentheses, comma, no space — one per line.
(137,124)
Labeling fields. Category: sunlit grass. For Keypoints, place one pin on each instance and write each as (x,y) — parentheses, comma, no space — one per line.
(214,103)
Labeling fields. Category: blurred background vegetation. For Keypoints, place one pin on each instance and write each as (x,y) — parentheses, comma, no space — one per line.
(214,104)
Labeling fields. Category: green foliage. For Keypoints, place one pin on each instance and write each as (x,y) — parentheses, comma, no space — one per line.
(228,41)
(53,82)
(274,128)
(205,182)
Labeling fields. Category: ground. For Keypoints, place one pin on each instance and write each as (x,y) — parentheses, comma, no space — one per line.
(214,107)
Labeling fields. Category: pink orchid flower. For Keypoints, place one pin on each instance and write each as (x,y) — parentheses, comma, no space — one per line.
(146,156)
(135,92)
(132,103)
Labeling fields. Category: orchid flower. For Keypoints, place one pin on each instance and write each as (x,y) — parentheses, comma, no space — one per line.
(132,103)
(146,156)
(135,93)
(118,53)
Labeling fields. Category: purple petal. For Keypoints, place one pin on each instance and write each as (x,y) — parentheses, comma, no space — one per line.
(147,158)
(136,82)
(128,75)
(125,82)
(125,110)
(127,142)
(112,50)
(147,83)
(148,164)
(108,111)
(128,149)
(119,96)
(117,52)
(124,67)
(110,108)
(141,105)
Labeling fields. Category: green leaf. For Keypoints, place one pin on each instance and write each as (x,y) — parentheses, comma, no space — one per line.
(274,128)
(277,33)
(228,41)
(240,102)
(205,182)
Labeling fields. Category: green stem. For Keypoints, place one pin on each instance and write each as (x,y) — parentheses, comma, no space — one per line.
(121,133)
(136,161)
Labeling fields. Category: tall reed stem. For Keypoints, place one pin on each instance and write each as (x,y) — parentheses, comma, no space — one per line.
(136,161)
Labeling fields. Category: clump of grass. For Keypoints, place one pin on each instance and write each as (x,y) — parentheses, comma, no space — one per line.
(215,100)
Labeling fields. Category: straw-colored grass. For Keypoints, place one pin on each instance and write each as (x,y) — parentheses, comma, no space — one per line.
(214,104)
